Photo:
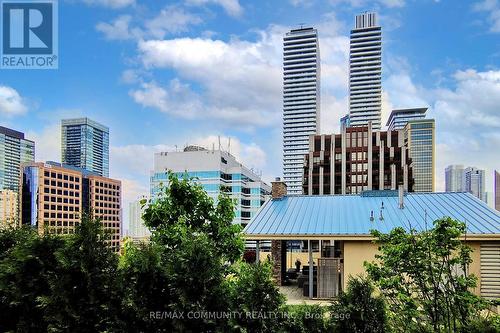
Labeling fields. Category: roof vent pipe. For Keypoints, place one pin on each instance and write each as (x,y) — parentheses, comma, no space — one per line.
(401,197)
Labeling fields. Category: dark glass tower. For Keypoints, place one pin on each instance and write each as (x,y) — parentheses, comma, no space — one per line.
(85,144)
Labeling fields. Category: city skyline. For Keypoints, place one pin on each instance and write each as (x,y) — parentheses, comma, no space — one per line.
(139,102)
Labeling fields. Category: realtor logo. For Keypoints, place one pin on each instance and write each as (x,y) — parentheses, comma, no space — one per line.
(29,34)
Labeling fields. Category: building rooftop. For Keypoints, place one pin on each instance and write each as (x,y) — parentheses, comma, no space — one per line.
(350,215)
(399,112)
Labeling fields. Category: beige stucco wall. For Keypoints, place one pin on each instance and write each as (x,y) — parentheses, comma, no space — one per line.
(475,266)
(355,254)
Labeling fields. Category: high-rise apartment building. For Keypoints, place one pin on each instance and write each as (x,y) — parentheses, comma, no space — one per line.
(356,160)
(497,190)
(301,101)
(53,197)
(420,139)
(365,72)
(8,208)
(474,180)
(398,118)
(14,150)
(85,144)
(137,230)
(217,171)
(454,178)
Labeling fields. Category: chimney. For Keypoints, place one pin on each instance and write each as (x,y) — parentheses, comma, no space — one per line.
(401,197)
(278,188)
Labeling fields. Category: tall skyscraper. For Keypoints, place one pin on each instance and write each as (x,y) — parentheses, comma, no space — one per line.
(85,144)
(301,101)
(217,171)
(53,197)
(398,118)
(14,150)
(497,190)
(420,138)
(475,182)
(454,178)
(365,72)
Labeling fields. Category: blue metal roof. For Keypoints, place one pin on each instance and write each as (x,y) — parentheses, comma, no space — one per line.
(350,214)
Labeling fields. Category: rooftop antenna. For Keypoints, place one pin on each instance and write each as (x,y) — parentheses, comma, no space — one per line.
(229,146)
(219,140)
(302,25)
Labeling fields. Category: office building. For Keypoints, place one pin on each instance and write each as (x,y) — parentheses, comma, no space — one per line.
(137,230)
(474,180)
(217,171)
(365,72)
(454,178)
(497,190)
(398,118)
(344,121)
(356,160)
(53,197)
(301,101)
(8,208)
(85,144)
(14,150)
(420,139)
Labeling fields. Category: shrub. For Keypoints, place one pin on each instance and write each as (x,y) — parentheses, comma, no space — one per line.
(305,318)
(358,310)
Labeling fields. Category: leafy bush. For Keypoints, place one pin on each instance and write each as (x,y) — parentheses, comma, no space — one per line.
(305,318)
(254,292)
(358,310)
(424,276)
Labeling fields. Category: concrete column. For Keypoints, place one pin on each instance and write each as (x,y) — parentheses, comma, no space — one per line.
(311,270)
(343,170)
(381,165)
(370,159)
(257,251)
(332,165)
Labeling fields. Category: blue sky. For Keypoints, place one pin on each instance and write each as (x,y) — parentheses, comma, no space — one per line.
(167,73)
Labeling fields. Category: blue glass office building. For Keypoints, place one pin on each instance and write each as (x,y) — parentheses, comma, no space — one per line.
(85,144)
(216,171)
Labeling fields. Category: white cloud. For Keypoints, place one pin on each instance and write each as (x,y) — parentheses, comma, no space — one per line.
(231,7)
(170,20)
(240,80)
(492,7)
(11,103)
(115,4)
(118,29)
(47,143)
(364,3)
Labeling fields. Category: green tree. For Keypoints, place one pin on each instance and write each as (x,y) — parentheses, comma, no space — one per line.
(358,309)
(84,293)
(195,243)
(254,292)
(27,264)
(425,279)
(146,288)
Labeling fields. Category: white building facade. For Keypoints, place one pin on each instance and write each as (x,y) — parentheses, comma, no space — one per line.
(301,101)
(137,230)
(365,72)
(216,171)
